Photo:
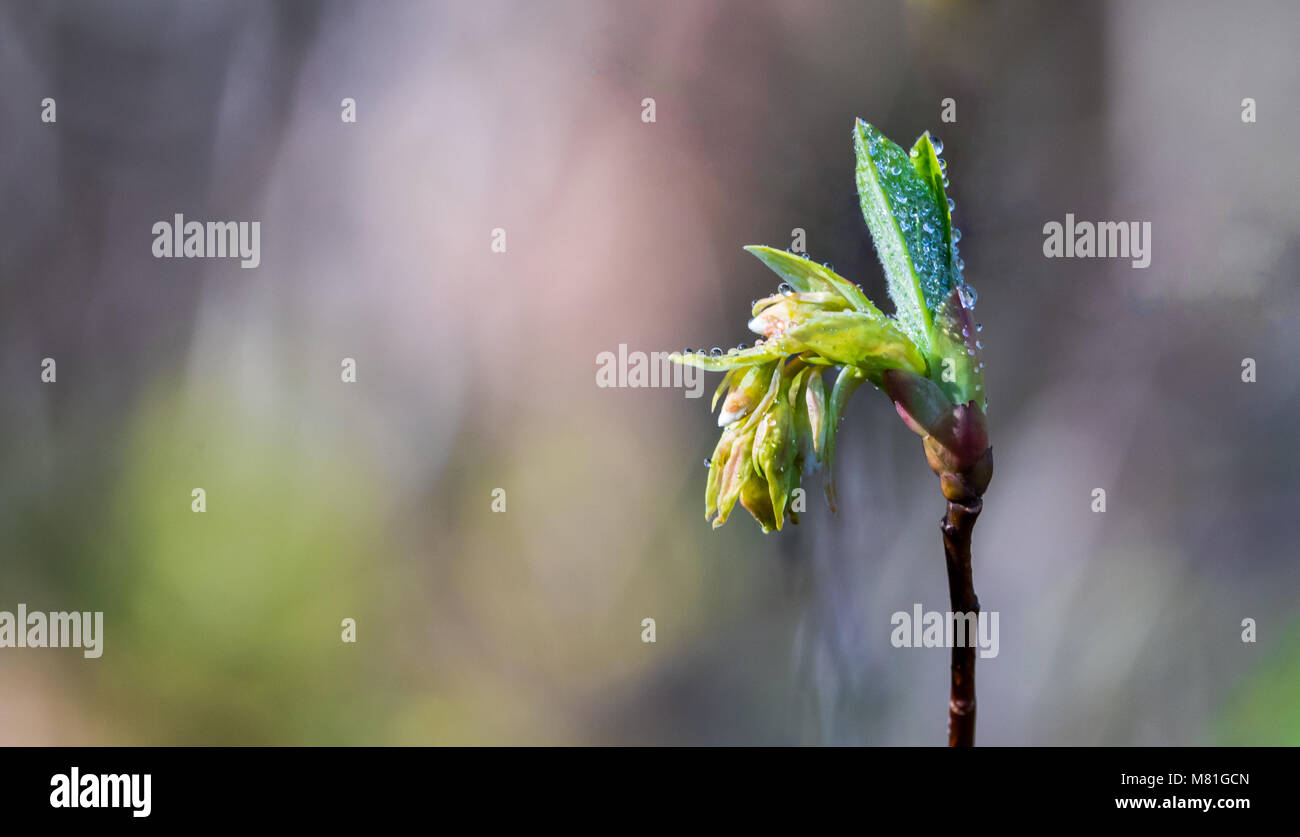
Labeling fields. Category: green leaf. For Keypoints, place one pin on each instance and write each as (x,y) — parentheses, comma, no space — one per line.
(807,276)
(815,407)
(769,351)
(846,384)
(958,366)
(906,210)
(850,337)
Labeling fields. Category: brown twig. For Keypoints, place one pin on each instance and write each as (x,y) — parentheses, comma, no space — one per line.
(957,525)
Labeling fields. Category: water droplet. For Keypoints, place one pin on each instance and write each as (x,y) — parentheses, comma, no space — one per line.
(956,235)
(715,351)
(784,289)
(967,295)
(708,463)
(758,342)
(961,265)
(938,145)
(946,183)
(965,332)
(952,204)
(970,352)
(740,347)
(979,326)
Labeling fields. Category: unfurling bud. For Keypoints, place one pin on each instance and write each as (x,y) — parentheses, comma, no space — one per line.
(774,452)
(757,461)
(955,436)
(748,392)
(757,500)
(775,315)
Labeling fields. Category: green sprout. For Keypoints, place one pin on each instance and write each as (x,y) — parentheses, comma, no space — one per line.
(779,424)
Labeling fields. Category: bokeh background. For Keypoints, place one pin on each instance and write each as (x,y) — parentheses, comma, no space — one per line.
(476,371)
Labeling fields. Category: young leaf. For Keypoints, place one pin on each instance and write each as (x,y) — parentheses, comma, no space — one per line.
(769,351)
(846,384)
(807,276)
(905,208)
(853,338)
(815,408)
(959,361)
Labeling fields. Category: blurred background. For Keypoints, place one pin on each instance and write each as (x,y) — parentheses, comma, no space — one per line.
(476,371)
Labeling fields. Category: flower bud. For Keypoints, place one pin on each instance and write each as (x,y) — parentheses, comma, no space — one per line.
(774,453)
(737,467)
(743,396)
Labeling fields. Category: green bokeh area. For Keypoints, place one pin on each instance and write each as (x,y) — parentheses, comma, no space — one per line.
(230,619)
(1264,711)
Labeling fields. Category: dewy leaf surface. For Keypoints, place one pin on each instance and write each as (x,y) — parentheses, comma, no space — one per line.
(905,208)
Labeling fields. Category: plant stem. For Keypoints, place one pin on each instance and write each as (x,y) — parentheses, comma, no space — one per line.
(957,525)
